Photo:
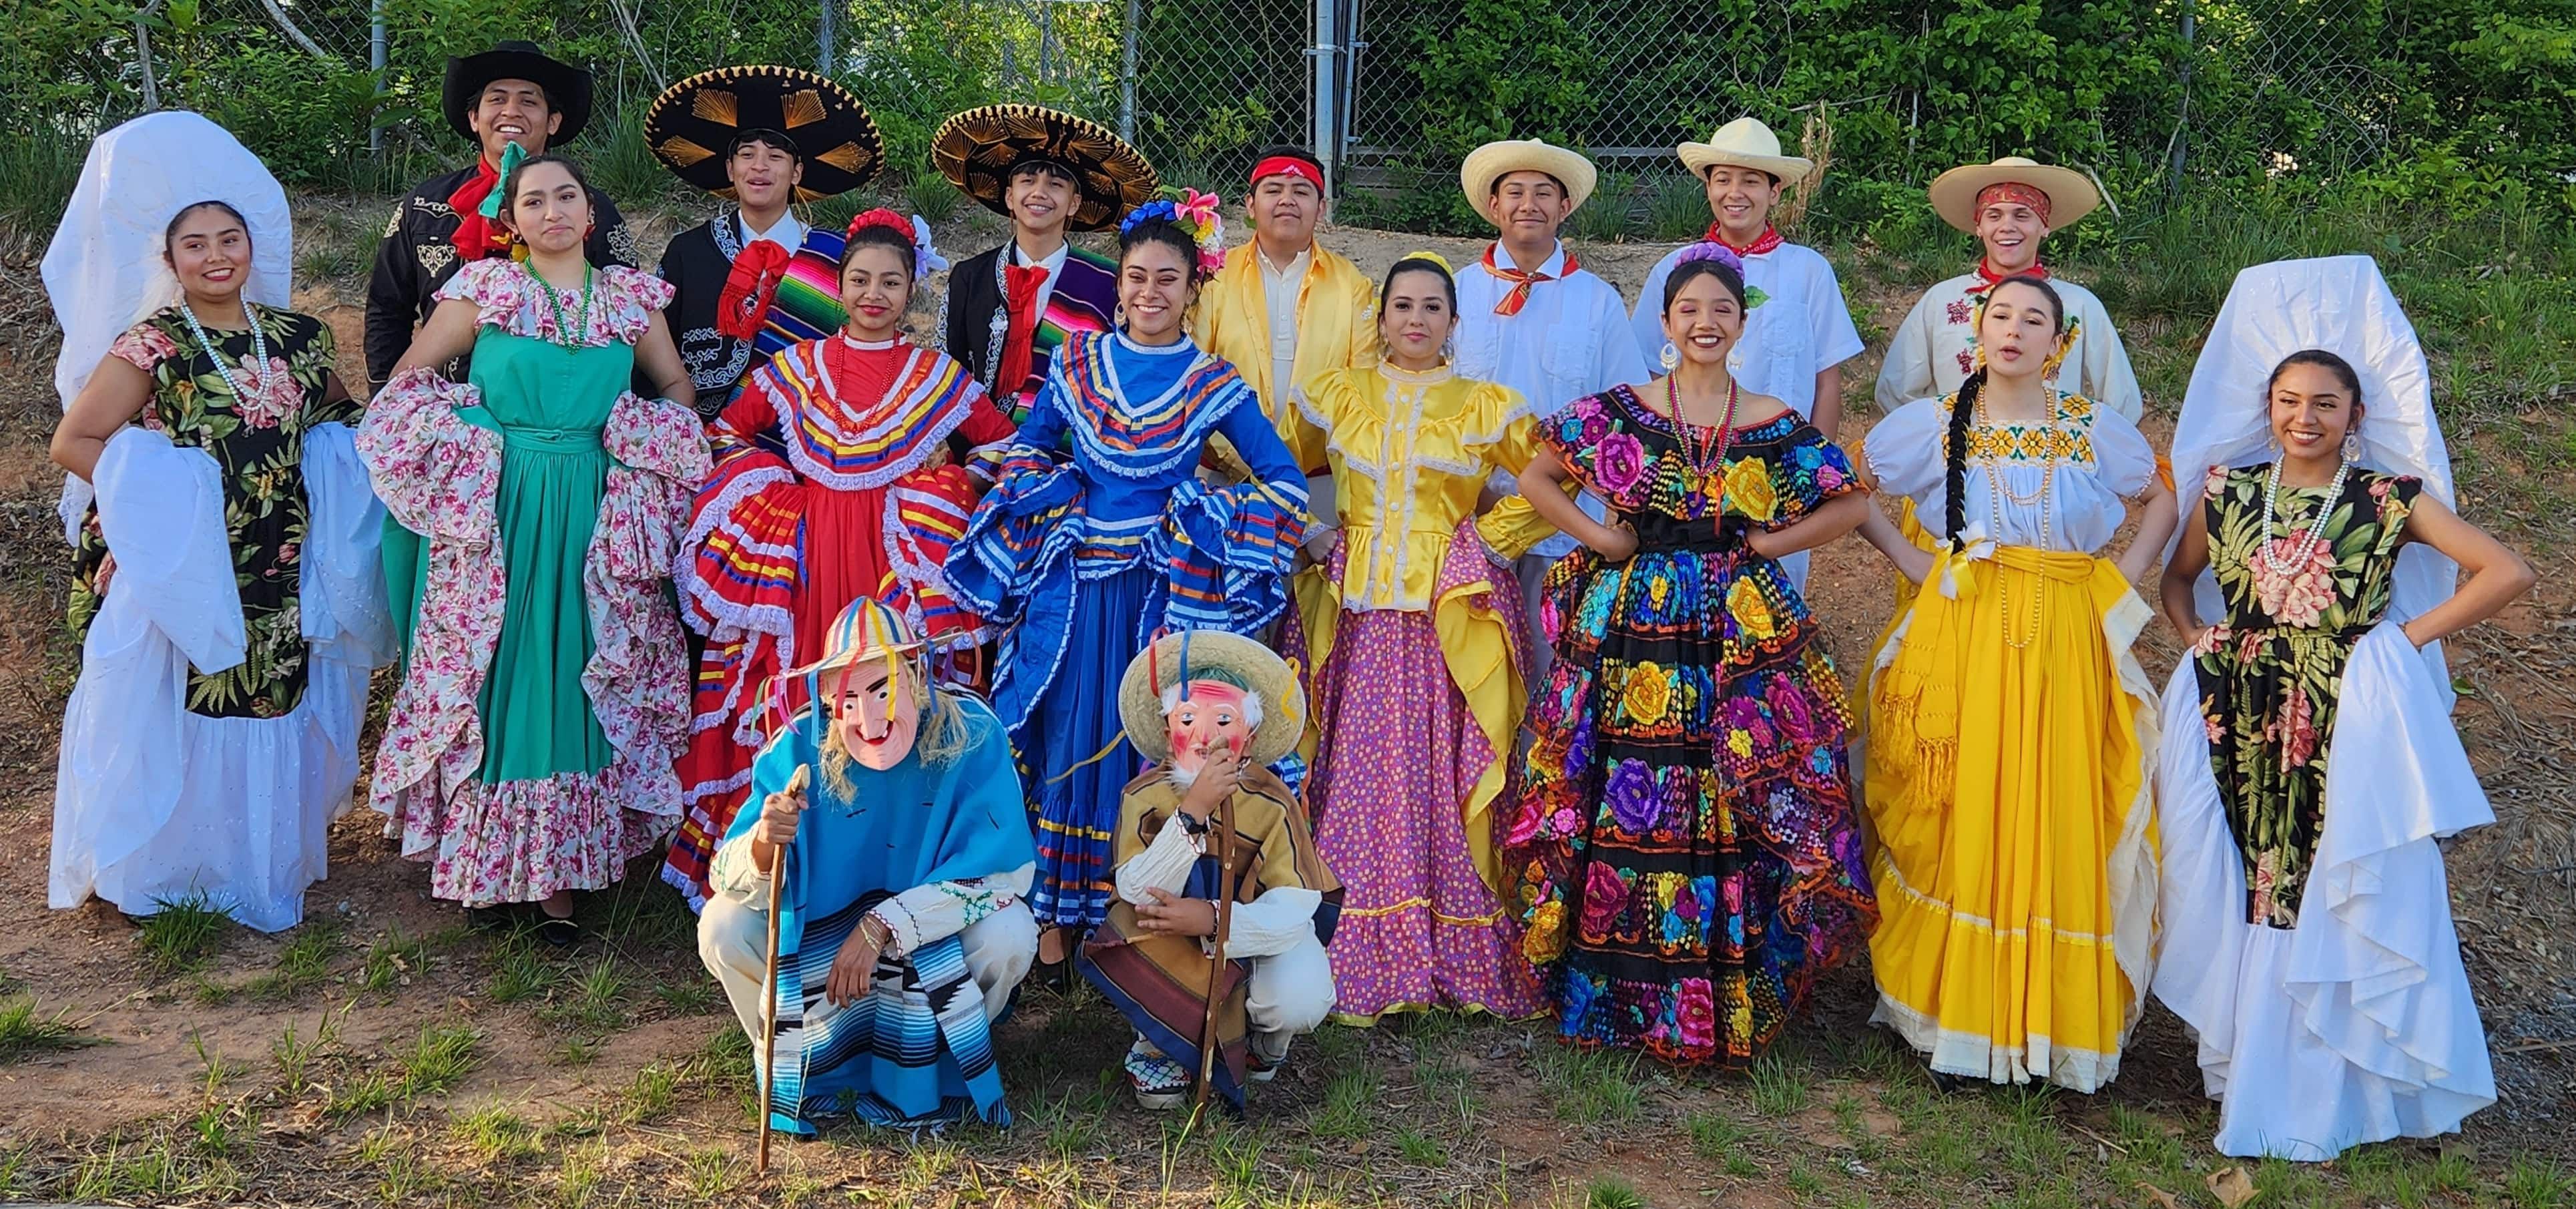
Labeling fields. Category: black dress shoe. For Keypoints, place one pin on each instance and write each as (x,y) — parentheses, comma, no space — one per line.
(561,933)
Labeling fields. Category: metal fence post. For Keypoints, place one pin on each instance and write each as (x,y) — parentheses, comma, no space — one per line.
(2182,118)
(1326,83)
(376,62)
(827,35)
(1127,71)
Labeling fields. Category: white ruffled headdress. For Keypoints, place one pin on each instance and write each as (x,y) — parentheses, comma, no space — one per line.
(103,270)
(2343,305)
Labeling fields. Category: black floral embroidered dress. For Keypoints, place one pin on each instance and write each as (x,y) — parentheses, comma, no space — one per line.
(259,444)
(2271,670)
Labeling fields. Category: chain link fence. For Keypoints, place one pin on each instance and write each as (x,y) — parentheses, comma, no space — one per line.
(1391,92)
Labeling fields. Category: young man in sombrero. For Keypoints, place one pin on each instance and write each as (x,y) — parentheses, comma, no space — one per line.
(509,96)
(1285,308)
(1051,174)
(903,923)
(1529,316)
(1212,710)
(753,279)
(2010,205)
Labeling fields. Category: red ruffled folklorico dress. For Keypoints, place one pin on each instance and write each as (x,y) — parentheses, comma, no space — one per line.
(831,483)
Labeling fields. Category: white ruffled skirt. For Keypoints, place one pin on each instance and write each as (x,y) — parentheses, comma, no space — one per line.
(2357,1025)
(154,804)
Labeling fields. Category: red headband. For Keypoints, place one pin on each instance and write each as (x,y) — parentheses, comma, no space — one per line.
(881,217)
(1289,165)
(2015,191)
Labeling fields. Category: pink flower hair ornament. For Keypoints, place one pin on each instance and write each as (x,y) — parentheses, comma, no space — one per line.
(1197,213)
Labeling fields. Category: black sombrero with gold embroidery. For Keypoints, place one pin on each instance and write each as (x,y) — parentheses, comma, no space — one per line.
(979,149)
(694,126)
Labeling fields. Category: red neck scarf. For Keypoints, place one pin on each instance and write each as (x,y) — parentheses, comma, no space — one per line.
(1518,296)
(1011,378)
(1988,278)
(748,290)
(476,236)
(1767,240)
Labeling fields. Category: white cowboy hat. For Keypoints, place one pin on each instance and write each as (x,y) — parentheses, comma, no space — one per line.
(2071,194)
(1745,143)
(1494,161)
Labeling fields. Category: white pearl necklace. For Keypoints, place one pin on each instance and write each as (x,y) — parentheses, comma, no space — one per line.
(258,350)
(2316,529)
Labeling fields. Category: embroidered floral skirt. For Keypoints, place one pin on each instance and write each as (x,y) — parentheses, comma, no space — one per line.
(1398,757)
(1688,853)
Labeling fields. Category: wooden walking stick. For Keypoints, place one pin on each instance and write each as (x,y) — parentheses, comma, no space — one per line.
(1216,958)
(796,783)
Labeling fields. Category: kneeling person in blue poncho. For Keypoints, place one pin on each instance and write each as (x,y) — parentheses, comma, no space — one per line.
(903,923)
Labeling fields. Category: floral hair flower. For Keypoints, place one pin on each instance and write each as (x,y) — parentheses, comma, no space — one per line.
(1198,214)
(925,258)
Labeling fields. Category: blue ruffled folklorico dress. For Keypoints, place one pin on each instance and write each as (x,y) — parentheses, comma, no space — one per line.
(917,1048)
(1098,536)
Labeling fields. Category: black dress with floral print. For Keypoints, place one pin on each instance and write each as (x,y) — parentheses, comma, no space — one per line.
(259,443)
(2271,670)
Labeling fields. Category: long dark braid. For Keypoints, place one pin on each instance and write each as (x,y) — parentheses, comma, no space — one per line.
(1954,442)
(1954,451)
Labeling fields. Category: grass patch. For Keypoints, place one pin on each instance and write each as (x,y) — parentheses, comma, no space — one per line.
(1345,1113)
(151,1170)
(303,963)
(181,933)
(1611,1192)
(394,960)
(1421,1149)
(596,1004)
(26,1031)
(496,1134)
(1591,1086)
(693,998)
(1722,1141)
(1779,1089)
(519,973)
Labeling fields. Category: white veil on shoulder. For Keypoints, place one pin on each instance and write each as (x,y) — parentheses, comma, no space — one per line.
(103,269)
(2343,305)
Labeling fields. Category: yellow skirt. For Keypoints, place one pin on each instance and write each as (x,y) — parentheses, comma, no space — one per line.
(2013,820)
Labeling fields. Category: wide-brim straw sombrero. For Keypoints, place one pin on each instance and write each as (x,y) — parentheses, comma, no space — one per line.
(1158,667)
(979,149)
(693,125)
(567,87)
(864,630)
(1494,161)
(1745,143)
(2071,194)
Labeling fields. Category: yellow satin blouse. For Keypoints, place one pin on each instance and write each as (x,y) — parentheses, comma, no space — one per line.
(1409,454)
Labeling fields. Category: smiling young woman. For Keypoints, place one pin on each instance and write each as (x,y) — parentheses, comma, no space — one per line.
(542,654)
(1105,472)
(838,452)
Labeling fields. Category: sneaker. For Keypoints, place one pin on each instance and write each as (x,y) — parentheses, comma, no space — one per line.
(1263,1057)
(1161,1084)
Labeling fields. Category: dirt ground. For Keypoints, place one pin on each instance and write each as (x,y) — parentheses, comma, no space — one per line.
(615,1062)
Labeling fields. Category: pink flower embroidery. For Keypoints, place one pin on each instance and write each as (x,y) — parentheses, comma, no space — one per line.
(2301,596)
(1695,1011)
(1618,463)
(270,395)
(2379,488)
(2298,729)
(1959,311)
(2210,724)
(1605,897)
(144,346)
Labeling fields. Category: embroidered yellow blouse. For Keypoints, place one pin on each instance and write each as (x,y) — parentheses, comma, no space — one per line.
(1409,453)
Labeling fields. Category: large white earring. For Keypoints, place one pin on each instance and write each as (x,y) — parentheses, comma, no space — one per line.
(1671,357)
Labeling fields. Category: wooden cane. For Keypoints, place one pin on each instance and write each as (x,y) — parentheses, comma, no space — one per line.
(1216,957)
(796,783)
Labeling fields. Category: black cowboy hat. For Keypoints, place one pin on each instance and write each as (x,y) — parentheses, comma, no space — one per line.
(567,87)
(979,149)
(695,124)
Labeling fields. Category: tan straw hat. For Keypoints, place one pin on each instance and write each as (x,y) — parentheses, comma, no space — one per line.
(1158,667)
(1745,143)
(1494,161)
(2071,194)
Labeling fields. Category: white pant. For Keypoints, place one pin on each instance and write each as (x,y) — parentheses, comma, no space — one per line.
(733,940)
(1290,993)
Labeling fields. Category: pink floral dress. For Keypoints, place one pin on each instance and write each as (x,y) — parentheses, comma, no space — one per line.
(544,692)
(2270,672)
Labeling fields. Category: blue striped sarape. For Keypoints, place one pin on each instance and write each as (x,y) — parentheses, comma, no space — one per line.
(916,1049)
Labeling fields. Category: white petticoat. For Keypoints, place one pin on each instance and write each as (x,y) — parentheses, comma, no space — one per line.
(2357,1025)
(153,803)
